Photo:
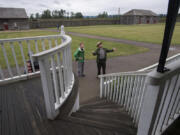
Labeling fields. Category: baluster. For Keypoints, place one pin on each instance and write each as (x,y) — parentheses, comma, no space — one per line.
(70,60)
(130,92)
(162,111)
(55,79)
(108,90)
(135,97)
(30,55)
(124,90)
(105,84)
(111,89)
(47,88)
(36,46)
(15,59)
(127,91)
(173,92)
(43,45)
(173,113)
(132,97)
(101,86)
(70,57)
(142,99)
(138,94)
(68,65)
(56,43)
(61,81)
(117,95)
(6,59)
(174,100)
(115,88)
(121,88)
(50,43)
(23,57)
(65,70)
(1,73)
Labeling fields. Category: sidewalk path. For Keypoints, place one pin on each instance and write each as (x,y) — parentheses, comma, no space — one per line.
(89,85)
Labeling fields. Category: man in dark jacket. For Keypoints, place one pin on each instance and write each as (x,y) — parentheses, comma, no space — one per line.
(101,54)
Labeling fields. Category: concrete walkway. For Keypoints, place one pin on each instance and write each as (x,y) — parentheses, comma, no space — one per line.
(89,85)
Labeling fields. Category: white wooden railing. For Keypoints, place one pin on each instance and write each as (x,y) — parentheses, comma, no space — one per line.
(162,101)
(14,55)
(152,99)
(53,56)
(126,89)
(56,75)
(168,61)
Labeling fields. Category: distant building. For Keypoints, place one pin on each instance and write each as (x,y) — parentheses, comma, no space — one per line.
(13,18)
(139,16)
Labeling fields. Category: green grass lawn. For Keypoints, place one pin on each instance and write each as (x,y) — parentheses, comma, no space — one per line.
(90,45)
(152,33)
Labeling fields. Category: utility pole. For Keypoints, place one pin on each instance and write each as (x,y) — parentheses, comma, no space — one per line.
(119,15)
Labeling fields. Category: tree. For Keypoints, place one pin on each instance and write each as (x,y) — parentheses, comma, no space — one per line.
(72,15)
(46,14)
(32,16)
(37,15)
(103,15)
(55,14)
(78,15)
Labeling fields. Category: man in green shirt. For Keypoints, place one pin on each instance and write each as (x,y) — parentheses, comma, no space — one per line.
(79,57)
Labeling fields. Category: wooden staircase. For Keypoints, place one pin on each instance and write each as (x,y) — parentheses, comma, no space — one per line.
(100,117)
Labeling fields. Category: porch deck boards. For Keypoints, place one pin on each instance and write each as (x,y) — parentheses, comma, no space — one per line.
(22,110)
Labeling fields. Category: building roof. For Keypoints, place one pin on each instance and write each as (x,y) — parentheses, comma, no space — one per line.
(14,13)
(141,12)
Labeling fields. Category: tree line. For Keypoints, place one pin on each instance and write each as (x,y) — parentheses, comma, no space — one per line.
(56,14)
(62,14)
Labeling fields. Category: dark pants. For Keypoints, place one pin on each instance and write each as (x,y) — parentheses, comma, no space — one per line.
(101,65)
(80,68)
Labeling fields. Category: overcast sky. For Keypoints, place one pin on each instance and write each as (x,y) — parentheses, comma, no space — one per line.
(87,7)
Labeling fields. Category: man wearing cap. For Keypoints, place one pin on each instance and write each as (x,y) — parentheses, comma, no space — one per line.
(101,57)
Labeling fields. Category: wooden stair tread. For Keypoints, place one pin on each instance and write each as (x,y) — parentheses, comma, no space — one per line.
(104,119)
(112,115)
(103,115)
(102,125)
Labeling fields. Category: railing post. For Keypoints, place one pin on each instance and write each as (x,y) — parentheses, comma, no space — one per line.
(62,30)
(101,86)
(47,88)
(154,91)
(76,105)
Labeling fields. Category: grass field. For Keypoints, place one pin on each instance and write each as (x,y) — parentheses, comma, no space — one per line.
(152,33)
(90,45)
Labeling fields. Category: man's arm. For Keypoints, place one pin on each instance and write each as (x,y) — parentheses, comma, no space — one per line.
(110,50)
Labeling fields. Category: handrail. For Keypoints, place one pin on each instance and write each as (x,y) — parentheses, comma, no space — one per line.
(126,89)
(129,88)
(16,61)
(162,101)
(28,38)
(168,60)
(56,75)
(124,73)
(54,50)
